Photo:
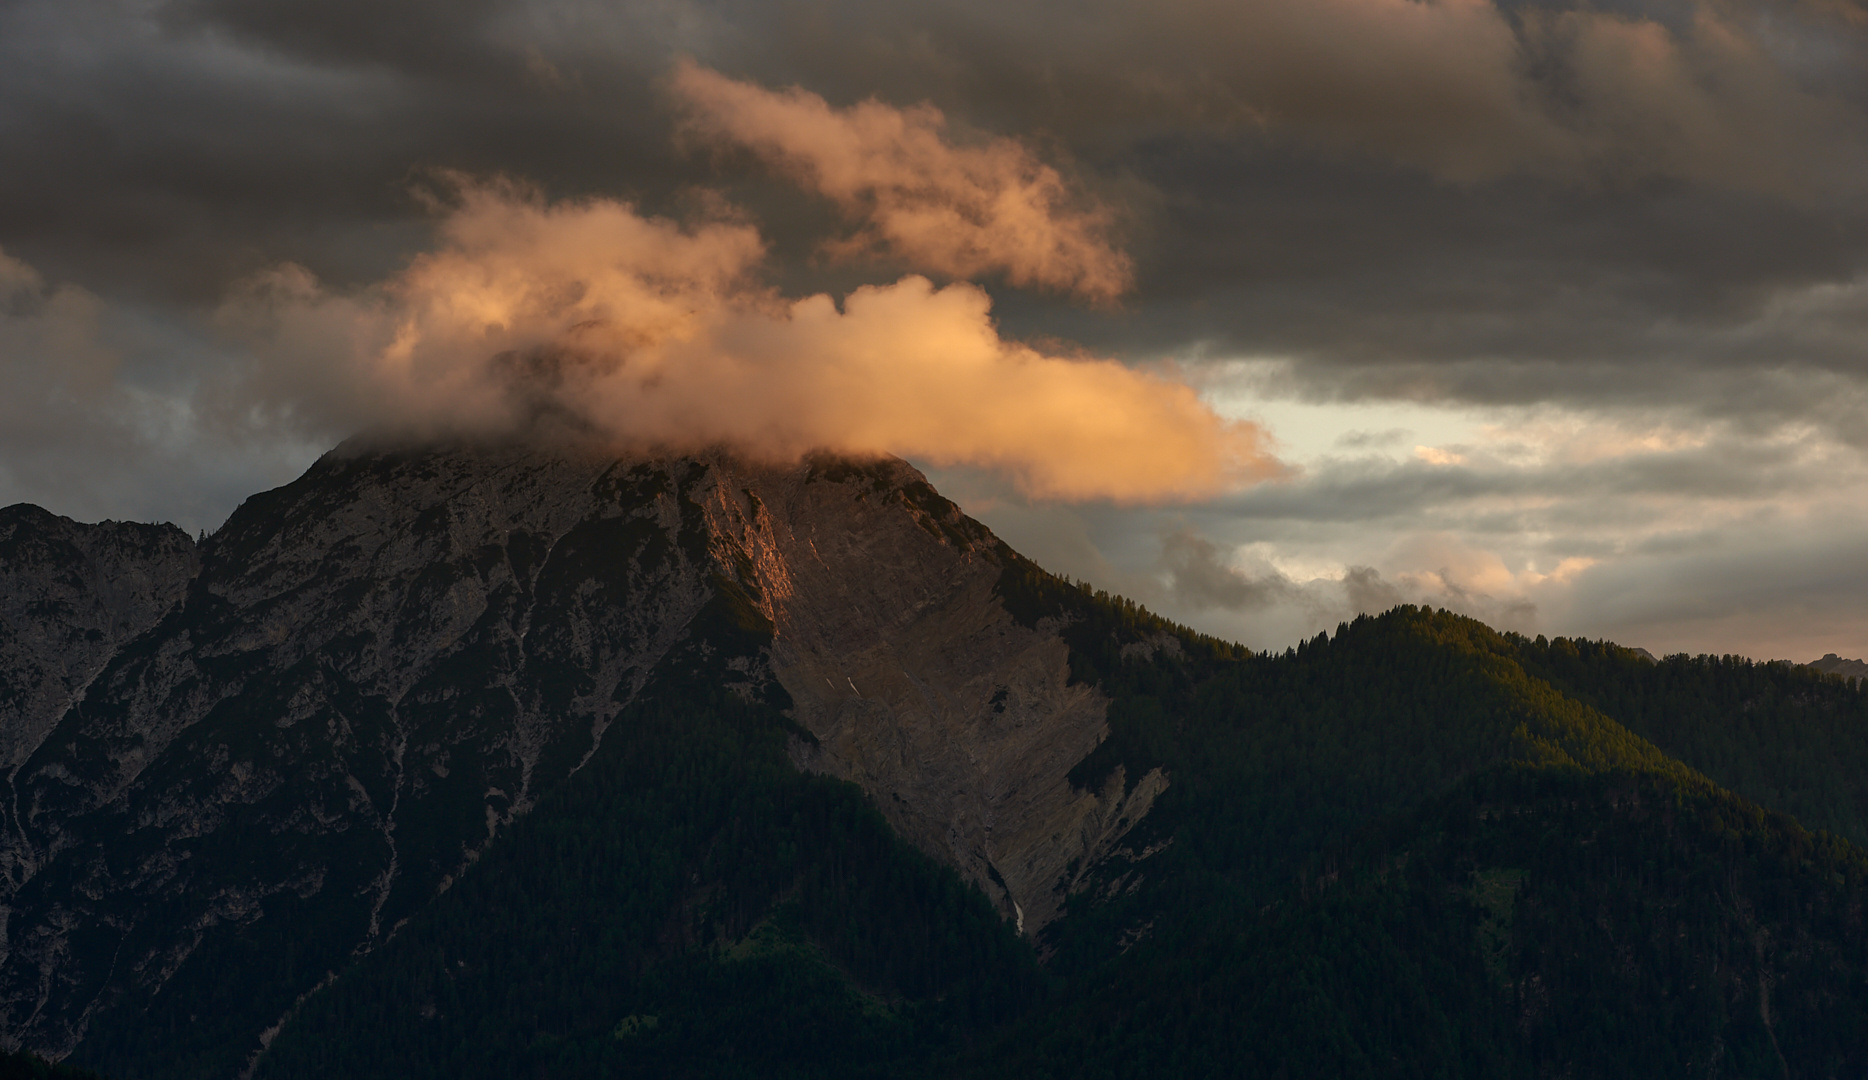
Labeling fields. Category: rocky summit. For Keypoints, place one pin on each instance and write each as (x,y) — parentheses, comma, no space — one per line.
(321,715)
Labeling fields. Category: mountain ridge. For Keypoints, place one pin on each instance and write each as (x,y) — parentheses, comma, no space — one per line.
(492,760)
(456,629)
(1831,664)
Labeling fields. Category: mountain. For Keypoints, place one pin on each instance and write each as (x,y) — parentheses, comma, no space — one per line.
(484,760)
(1831,664)
(70,596)
(380,666)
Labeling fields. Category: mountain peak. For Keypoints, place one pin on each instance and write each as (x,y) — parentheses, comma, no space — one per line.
(1831,664)
(368,674)
(71,595)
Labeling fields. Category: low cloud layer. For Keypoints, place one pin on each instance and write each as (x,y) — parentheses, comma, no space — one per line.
(1662,530)
(1254,599)
(653,333)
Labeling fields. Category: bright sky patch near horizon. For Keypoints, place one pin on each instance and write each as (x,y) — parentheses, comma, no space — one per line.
(1264,312)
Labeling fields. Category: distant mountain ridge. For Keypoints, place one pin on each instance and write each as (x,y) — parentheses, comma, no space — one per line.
(1831,664)
(70,596)
(496,760)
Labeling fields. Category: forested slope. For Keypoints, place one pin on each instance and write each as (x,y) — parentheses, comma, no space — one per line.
(1403,852)
(21,1066)
(1417,848)
(690,905)
(1785,736)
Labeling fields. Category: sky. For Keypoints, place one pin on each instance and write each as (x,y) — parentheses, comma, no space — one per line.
(1263,313)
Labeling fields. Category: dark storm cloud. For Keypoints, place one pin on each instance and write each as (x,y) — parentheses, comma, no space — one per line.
(1436,169)
(1426,225)
(1784,593)
(163,150)
(1402,220)
(448,39)
(1732,93)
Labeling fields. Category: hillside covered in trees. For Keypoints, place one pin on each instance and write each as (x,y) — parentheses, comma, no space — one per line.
(1418,847)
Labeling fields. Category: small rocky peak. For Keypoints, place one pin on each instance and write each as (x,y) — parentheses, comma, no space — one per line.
(71,595)
(1831,664)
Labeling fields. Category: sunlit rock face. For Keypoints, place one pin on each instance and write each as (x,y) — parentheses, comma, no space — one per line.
(292,738)
(918,685)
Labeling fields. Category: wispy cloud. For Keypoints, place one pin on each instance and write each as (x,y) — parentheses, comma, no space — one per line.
(961,211)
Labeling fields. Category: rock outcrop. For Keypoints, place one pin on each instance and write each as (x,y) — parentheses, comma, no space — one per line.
(374,668)
(919,685)
(71,595)
(295,736)
(1831,664)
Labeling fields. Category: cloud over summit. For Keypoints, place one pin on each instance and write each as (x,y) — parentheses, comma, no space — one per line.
(656,333)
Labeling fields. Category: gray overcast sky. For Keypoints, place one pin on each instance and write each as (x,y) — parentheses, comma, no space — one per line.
(1556,312)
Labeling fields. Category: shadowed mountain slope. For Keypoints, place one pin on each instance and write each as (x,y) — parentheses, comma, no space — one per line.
(71,595)
(495,761)
(383,664)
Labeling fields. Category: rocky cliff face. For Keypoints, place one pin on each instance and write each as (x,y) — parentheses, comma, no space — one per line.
(71,595)
(919,685)
(285,743)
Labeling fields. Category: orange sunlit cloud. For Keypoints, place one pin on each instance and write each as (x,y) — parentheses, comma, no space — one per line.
(961,211)
(658,333)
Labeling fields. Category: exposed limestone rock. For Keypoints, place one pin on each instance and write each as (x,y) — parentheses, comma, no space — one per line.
(324,714)
(71,595)
(375,668)
(917,682)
